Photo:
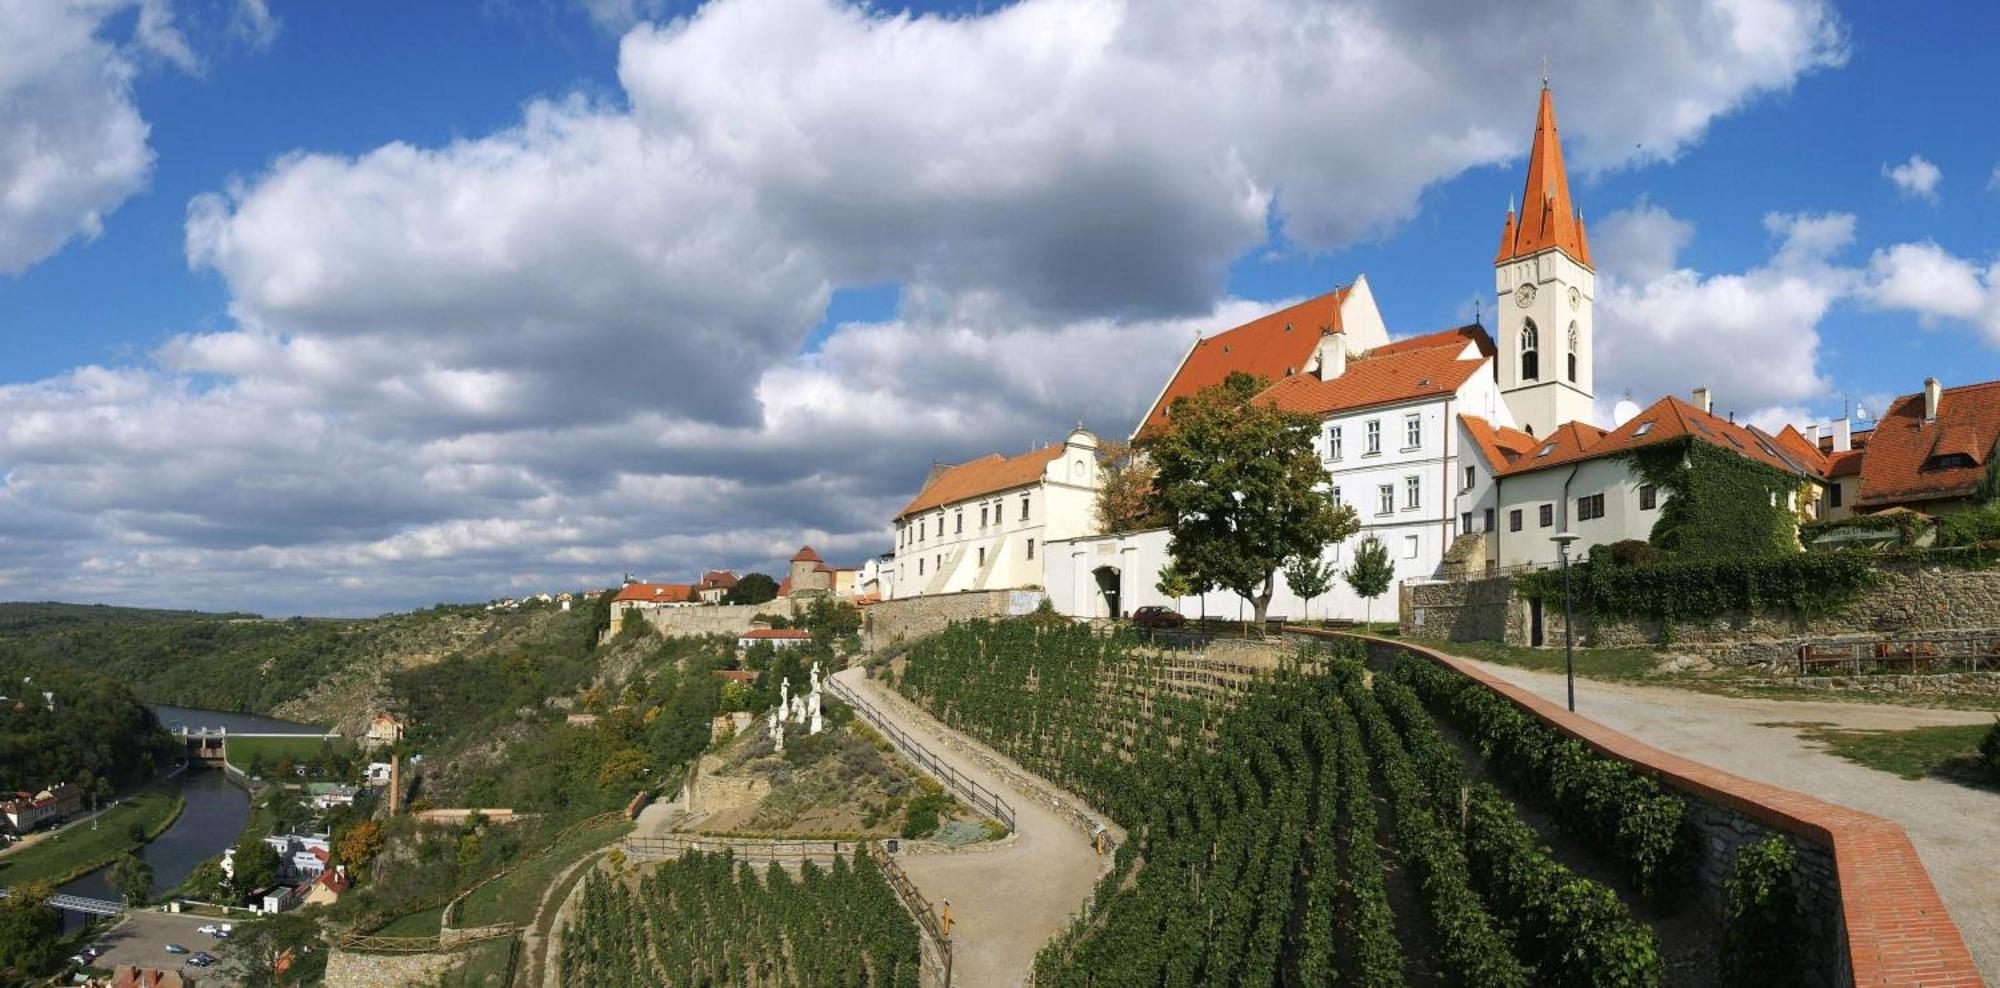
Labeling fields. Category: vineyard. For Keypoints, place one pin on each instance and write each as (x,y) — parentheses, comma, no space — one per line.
(708,919)
(1267,825)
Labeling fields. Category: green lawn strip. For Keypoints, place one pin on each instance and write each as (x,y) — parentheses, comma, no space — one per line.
(417,924)
(512,897)
(78,850)
(242,750)
(1950,752)
(487,964)
(1591,663)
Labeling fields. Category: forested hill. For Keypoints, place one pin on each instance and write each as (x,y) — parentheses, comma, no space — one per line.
(320,671)
(24,616)
(71,725)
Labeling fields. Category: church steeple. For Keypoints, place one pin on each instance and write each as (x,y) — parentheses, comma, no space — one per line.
(1548,218)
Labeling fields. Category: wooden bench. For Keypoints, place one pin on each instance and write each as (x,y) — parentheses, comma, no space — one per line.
(1916,654)
(1814,656)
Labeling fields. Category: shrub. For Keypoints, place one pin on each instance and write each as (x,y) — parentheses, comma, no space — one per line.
(1989,750)
(1806,583)
(921,819)
(1970,527)
(1629,552)
(1760,944)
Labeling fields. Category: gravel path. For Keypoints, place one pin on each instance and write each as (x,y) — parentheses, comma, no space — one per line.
(1007,903)
(1955,828)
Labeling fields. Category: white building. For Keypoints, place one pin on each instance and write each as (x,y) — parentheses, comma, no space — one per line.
(982,525)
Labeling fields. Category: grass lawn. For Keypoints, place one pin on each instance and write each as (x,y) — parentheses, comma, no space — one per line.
(1591,663)
(79,850)
(242,750)
(512,897)
(488,964)
(423,924)
(1949,752)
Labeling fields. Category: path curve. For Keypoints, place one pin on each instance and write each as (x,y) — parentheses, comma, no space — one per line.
(1007,903)
(1955,828)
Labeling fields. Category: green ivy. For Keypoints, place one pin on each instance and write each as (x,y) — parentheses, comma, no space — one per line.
(1719,504)
(1908,526)
(1761,945)
(1807,583)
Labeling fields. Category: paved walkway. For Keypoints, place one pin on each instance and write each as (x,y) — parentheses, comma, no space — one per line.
(1955,828)
(1007,903)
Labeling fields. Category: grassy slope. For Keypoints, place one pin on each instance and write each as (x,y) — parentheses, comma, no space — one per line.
(35,616)
(512,897)
(1949,752)
(242,750)
(79,850)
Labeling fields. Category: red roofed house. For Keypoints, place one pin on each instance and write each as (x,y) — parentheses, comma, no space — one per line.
(775,637)
(714,586)
(644,596)
(1930,450)
(808,573)
(981,525)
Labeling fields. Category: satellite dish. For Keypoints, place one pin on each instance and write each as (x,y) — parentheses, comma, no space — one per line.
(1623,412)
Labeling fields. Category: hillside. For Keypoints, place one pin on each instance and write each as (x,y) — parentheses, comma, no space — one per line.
(25,616)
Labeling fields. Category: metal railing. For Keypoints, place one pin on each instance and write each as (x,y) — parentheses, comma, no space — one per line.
(673,846)
(1945,653)
(927,917)
(975,795)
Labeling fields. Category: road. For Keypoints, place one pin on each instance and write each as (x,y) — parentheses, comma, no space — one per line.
(1955,828)
(1005,903)
(142,938)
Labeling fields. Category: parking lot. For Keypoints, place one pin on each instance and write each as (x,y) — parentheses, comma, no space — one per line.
(142,939)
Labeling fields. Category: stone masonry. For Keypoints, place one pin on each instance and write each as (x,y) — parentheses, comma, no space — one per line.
(911,618)
(346,969)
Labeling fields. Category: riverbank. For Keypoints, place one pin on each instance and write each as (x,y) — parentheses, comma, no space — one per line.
(81,849)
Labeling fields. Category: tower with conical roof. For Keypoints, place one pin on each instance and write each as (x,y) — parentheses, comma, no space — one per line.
(1546,284)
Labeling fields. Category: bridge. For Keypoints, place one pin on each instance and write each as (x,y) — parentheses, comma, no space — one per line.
(210,745)
(79,904)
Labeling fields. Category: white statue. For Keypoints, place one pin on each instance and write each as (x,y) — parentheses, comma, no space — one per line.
(785,694)
(812,704)
(798,710)
(777,730)
(815,677)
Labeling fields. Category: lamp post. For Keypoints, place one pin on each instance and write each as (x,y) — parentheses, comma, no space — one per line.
(1562,540)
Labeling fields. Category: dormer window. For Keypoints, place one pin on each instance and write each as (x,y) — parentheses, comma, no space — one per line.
(1950,461)
(1546,450)
(1644,427)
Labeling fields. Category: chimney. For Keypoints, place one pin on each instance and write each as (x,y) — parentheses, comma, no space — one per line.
(1702,399)
(1931,395)
(1812,434)
(1332,354)
(1843,435)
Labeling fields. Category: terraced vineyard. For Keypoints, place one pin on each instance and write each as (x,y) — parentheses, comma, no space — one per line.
(709,919)
(1258,855)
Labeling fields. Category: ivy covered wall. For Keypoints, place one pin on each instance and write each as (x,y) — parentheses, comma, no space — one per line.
(1718,504)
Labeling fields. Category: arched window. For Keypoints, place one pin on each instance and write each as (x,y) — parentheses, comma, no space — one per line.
(1531,368)
(1572,353)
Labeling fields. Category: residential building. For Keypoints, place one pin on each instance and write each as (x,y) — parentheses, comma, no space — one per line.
(983,525)
(133,976)
(774,637)
(639,596)
(808,574)
(714,585)
(1930,450)
(27,811)
(383,730)
(327,888)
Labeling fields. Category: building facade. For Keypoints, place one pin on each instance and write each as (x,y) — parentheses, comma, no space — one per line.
(983,525)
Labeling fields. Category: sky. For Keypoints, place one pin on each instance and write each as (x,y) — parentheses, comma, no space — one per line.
(346,308)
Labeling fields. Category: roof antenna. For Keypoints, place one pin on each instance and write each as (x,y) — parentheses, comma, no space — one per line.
(1475,303)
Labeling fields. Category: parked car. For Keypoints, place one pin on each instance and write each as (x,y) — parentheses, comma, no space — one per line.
(174,948)
(1157,616)
(202,959)
(208,928)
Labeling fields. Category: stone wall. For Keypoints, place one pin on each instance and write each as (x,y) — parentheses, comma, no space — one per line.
(1985,684)
(720,619)
(911,618)
(346,969)
(1909,602)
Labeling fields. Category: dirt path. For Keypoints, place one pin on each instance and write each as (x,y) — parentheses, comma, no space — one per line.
(1954,827)
(1005,904)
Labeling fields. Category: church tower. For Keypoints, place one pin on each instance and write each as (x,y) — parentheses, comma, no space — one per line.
(1545,283)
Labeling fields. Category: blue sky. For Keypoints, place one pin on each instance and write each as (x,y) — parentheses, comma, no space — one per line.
(357,337)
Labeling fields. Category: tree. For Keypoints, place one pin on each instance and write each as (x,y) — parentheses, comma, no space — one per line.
(254,865)
(277,950)
(360,844)
(30,931)
(753,588)
(133,878)
(1371,572)
(1243,489)
(1127,502)
(1310,578)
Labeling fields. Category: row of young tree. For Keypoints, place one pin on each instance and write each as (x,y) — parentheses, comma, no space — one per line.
(708,919)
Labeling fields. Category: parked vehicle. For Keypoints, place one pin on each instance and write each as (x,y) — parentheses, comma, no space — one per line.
(1157,616)
(208,928)
(174,948)
(202,959)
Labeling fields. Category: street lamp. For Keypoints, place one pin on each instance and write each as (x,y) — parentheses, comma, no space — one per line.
(1562,540)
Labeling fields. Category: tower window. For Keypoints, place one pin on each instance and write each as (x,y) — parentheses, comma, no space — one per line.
(1572,353)
(1531,368)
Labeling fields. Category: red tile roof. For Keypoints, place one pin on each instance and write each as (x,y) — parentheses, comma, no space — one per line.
(717,579)
(989,474)
(1902,464)
(1855,440)
(1548,219)
(658,593)
(1269,346)
(806,555)
(1421,367)
(1804,450)
(1501,445)
(737,675)
(785,634)
(1668,418)
(1846,464)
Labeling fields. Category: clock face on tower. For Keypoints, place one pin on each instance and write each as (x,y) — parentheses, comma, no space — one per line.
(1524,296)
(1575,299)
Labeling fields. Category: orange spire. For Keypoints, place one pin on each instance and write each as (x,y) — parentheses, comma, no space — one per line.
(1548,219)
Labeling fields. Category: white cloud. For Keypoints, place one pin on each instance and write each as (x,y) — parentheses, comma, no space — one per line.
(619,15)
(572,347)
(1917,177)
(253,23)
(1926,279)
(1993,180)
(1751,337)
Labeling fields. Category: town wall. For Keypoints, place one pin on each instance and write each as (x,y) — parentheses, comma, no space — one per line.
(1865,903)
(716,619)
(346,969)
(910,618)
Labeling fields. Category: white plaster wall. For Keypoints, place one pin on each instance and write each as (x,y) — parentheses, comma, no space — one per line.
(1623,517)
(939,551)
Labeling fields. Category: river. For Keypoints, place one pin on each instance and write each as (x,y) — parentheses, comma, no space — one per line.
(213,818)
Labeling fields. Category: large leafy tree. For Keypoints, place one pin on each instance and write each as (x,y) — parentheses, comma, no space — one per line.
(30,931)
(1127,502)
(133,878)
(278,950)
(1371,572)
(753,588)
(1243,490)
(254,865)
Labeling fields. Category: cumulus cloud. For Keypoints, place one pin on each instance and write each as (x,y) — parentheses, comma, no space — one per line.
(1938,286)
(1916,178)
(573,347)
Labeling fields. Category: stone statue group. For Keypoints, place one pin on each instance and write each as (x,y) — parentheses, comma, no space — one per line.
(801,709)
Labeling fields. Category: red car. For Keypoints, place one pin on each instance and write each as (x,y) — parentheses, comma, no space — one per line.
(1156,616)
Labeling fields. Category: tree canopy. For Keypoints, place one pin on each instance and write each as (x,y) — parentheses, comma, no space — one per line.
(1371,572)
(70,725)
(1243,489)
(1127,501)
(1310,578)
(752,588)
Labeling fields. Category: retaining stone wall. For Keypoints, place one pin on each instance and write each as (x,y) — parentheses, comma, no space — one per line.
(719,619)
(1942,684)
(910,618)
(345,969)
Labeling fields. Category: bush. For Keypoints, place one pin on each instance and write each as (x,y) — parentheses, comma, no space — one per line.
(1760,944)
(1806,583)
(1629,552)
(1970,527)
(921,819)
(1989,751)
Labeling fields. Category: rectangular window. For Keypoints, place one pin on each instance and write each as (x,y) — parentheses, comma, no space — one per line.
(982,555)
(1589,506)
(920,567)
(1374,438)
(1489,521)
(920,531)
(1412,492)
(1333,443)
(958,517)
(1413,431)
(1514,520)
(1337,502)
(1409,547)
(1468,478)
(1833,494)
(1024,507)
(1031,548)
(1465,523)
(1385,499)
(982,516)
(1548,515)
(1649,497)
